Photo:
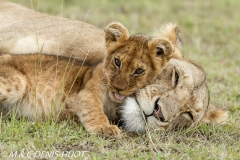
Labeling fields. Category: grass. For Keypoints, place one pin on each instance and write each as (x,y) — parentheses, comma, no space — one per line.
(210,34)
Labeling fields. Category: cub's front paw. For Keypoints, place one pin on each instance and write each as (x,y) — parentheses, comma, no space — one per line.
(108,130)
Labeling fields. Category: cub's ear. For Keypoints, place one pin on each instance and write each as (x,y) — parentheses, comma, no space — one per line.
(170,32)
(115,35)
(161,47)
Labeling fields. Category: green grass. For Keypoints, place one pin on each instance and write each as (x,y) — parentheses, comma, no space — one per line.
(210,32)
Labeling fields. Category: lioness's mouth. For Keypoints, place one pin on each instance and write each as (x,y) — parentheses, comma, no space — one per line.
(157,113)
(119,96)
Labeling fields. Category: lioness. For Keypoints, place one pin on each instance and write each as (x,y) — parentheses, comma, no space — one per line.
(40,86)
(178,98)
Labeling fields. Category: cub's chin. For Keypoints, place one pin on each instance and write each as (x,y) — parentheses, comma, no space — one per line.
(132,116)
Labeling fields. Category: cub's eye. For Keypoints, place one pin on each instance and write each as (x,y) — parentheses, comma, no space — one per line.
(139,71)
(160,50)
(117,62)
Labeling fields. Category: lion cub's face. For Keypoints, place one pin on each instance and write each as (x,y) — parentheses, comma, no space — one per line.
(133,61)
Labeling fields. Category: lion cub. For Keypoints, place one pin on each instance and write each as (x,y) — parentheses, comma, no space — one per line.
(41,86)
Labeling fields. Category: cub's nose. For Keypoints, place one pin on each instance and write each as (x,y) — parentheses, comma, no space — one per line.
(120,85)
(120,88)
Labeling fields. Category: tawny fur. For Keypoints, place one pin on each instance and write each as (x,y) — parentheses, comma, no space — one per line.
(40,86)
(25,31)
(171,32)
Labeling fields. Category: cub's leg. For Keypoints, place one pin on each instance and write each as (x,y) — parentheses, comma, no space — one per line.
(13,86)
(91,114)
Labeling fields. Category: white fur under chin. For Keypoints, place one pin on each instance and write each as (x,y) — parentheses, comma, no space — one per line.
(132,116)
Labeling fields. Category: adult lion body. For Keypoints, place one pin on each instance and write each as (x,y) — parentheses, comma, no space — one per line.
(41,86)
(24,31)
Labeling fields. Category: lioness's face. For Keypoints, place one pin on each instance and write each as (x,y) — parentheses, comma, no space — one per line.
(132,61)
(177,98)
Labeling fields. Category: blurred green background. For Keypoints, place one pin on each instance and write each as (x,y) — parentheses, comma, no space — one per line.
(210,31)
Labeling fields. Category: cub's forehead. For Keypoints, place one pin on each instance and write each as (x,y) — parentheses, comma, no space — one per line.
(139,37)
(135,51)
(136,46)
(139,40)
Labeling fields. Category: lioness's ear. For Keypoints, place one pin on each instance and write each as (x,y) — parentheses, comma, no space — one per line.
(115,35)
(170,32)
(162,47)
(215,115)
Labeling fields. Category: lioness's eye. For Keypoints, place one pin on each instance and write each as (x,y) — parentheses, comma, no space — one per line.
(176,78)
(139,71)
(117,62)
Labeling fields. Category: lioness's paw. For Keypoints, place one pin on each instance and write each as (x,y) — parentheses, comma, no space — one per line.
(182,121)
(108,130)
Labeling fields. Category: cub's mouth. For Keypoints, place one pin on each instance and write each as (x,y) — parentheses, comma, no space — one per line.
(118,96)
